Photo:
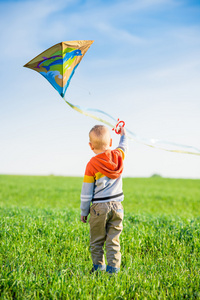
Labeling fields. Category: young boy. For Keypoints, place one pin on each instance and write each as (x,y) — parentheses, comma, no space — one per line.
(103,186)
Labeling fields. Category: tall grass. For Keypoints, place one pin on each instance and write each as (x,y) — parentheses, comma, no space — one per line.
(44,248)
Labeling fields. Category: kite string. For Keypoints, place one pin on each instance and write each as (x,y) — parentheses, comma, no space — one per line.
(134,136)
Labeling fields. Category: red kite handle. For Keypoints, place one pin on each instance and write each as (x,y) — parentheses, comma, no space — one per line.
(118,126)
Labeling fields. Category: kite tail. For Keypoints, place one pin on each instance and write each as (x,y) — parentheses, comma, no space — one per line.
(80,110)
(132,136)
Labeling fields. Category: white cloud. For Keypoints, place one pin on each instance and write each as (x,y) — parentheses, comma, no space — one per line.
(187,34)
(120,35)
(25,25)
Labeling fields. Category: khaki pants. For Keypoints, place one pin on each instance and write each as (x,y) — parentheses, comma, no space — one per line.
(106,226)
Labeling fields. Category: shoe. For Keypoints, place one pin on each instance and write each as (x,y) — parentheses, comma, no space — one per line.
(112,270)
(98,268)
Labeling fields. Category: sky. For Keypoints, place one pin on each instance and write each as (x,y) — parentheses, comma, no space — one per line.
(143,67)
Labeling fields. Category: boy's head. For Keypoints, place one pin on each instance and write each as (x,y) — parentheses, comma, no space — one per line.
(100,139)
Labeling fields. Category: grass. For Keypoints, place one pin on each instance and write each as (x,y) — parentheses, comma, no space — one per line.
(44,248)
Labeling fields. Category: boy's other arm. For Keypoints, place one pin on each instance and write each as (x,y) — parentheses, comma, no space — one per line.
(86,196)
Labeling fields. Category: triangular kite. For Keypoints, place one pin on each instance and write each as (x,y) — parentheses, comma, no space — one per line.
(58,63)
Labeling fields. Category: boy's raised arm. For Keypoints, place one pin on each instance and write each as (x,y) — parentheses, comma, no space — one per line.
(123,143)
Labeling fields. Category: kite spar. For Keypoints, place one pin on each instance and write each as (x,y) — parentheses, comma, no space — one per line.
(58,64)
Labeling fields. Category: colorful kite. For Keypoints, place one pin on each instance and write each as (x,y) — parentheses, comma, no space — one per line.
(58,64)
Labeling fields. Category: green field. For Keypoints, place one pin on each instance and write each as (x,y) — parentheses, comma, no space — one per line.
(44,248)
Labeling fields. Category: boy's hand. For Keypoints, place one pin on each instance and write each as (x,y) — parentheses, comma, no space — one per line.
(122,131)
(84,219)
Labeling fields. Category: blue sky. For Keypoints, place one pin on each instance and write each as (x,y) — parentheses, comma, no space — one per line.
(143,67)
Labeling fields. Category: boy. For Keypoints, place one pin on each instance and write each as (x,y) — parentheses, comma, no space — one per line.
(103,186)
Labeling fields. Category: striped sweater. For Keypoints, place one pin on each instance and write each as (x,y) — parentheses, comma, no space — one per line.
(103,177)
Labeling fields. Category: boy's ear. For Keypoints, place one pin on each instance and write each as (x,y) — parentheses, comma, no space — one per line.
(110,142)
(91,147)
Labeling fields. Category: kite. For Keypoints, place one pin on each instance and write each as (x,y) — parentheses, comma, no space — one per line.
(58,64)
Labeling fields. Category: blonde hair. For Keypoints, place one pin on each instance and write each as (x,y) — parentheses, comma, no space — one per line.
(100,137)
